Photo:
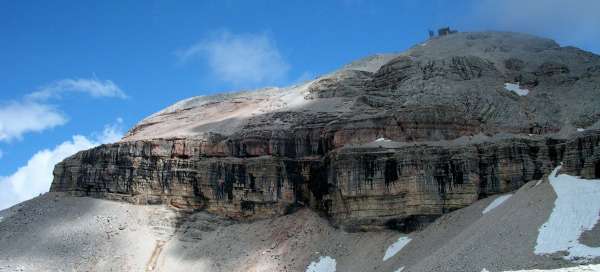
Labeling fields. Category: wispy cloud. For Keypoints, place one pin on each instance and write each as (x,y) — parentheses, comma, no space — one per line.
(35,177)
(33,113)
(111,133)
(18,118)
(93,87)
(571,22)
(240,59)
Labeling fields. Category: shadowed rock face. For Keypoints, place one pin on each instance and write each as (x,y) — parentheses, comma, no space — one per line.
(582,156)
(391,140)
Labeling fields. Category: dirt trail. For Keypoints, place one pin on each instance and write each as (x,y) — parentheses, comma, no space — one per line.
(154,258)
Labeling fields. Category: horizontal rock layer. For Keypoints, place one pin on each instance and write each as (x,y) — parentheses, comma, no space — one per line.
(401,187)
(582,155)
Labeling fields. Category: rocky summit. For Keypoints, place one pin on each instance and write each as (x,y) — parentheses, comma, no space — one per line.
(388,141)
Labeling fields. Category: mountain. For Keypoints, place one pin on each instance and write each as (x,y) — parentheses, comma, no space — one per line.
(329,172)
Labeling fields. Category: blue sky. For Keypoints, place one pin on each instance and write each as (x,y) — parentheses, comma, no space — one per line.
(95,68)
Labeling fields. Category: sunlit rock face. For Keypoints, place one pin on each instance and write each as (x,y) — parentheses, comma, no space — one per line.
(452,134)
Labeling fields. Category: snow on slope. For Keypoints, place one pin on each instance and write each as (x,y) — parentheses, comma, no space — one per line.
(325,264)
(497,202)
(516,88)
(576,209)
(581,268)
(396,247)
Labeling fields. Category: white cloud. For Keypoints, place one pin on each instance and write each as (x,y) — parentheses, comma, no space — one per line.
(111,133)
(36,176)
(240,59)
(34,114)
(93,87)
(18,118)
(570,22)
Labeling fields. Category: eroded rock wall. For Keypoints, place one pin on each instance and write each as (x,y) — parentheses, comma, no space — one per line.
(357,187)
(383,187)
(177,172)
(582,155)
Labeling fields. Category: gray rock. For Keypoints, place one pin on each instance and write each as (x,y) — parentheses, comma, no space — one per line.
(453,134)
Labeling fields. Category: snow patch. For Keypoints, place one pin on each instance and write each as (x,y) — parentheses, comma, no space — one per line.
(324,264)
(581,268)
(497,202)
(396,247)
(293,98)
(576,209)
(516,88)
(399,269)
(580,130)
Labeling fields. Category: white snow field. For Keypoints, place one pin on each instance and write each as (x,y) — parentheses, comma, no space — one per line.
(576,209)
(581,268)
(325,264)
(396,247)
(497,202)
(516,88)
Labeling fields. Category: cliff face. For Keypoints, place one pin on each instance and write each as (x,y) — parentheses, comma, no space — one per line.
(377,184)
(582,156)
(392,140)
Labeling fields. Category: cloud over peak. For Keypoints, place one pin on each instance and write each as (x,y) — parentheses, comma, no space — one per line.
(572,22)
(93,87)
(243,60)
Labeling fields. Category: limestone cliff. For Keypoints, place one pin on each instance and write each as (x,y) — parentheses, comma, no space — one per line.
(391,140)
